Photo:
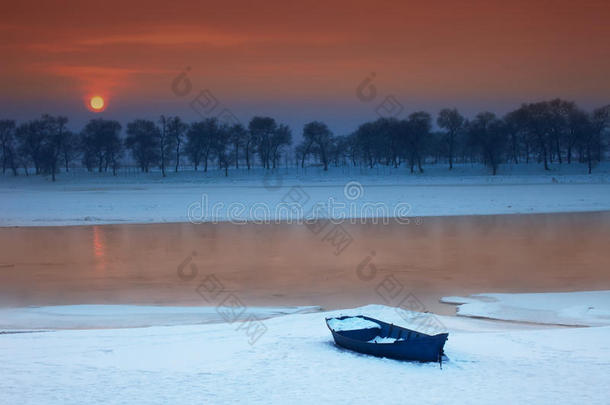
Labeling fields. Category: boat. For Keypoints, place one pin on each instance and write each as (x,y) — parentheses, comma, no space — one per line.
(374,337)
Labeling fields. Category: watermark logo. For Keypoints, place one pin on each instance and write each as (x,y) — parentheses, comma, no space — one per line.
(394,293)
(353,190)
(390,107)
(367,92)
(205,103)
(272,180)
(181,85)
(228,305)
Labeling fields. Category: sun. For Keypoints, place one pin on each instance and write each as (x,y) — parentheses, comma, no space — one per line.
(97,103)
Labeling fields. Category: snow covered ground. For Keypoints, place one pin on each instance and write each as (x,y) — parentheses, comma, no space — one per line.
(82,198)
(127,316)
(185,355)
(296,361)
(587,308)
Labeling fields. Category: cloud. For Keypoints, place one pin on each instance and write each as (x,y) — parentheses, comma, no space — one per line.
(97,79)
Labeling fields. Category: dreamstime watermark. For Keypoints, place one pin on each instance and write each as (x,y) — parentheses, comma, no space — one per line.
(207,105)
(332,210)
(294,208)
(330,233)
(228,305)
(353,190)
(367,92)
(394,293)
(204,103)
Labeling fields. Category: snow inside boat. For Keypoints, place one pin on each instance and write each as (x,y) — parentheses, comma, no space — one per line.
(374,337)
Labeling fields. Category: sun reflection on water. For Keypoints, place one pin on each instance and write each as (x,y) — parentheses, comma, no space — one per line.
(99,247)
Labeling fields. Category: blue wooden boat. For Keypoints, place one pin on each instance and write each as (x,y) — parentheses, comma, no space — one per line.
(383,339)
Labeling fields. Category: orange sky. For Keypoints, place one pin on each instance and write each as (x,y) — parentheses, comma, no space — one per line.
(301,60)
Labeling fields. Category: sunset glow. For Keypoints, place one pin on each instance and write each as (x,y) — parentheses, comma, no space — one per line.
(97,103)
(472,55)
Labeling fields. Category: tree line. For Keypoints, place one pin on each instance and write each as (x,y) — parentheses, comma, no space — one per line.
(545,132)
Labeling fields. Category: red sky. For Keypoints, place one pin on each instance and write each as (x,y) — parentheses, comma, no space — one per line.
(299,61)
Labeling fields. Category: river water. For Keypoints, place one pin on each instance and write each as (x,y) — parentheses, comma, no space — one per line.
(293,264)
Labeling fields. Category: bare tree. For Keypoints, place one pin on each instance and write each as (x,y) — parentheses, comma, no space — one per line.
(487,133)
(176,129)
(113,150)
(517,129)
(538,119)
(7,141)
(143,141)
(452,121)
(282,136)
(418,128)
(221,145)
(69,149)
(593,140)
(166,142)
(193,147)
(55,133)
(317,138)
(101,144)
(239,138)
(30,136)
(365,142)
(249,146)
(200,141)
(262,128)
(578,124)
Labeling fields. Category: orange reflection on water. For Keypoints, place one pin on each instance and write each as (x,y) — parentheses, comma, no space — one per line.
(99,247)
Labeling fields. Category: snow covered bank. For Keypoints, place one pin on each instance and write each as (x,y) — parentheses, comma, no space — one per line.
(127,316)
(77,199)
(588,308)
(297,362)
(352,324)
